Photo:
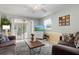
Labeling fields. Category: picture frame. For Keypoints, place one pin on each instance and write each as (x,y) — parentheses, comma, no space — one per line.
(64,20)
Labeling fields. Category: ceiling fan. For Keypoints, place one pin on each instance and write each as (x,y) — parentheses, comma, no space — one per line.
(38,7)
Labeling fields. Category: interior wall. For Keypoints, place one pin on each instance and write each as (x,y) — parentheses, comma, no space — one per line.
(74,20)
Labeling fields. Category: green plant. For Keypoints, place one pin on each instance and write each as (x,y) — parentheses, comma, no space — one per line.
(5,21)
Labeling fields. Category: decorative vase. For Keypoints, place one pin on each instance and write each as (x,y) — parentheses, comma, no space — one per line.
(32,37)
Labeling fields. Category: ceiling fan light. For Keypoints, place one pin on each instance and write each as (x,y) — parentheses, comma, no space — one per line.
(36,7)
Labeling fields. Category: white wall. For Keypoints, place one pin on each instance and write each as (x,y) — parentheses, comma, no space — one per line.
(74,20)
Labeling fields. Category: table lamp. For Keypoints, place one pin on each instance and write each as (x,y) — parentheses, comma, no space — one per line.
(6,28)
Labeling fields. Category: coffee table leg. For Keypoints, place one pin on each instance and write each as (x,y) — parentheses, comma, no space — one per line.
(40,49)
(30,51)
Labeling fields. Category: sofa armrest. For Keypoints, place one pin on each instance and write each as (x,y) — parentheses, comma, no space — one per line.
(12,37)
(64,50)
(9,43)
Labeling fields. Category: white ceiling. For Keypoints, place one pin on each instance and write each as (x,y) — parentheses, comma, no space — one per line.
(27,10)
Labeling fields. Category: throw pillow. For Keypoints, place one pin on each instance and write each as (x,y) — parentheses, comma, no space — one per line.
(4,39)
(66,38)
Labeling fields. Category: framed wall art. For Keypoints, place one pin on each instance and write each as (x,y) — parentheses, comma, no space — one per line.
(64,20)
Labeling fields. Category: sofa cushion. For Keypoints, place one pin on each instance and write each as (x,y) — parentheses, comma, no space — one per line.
(12,41)
(4,39)
(76,40)
(68,39)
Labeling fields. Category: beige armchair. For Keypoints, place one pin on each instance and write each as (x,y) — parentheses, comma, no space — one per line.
(54,37)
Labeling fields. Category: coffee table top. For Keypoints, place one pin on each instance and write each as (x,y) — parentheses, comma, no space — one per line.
(34,44)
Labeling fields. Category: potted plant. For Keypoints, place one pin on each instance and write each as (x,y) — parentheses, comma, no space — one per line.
(5,22)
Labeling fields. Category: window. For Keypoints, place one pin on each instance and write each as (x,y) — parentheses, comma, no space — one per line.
(47,24)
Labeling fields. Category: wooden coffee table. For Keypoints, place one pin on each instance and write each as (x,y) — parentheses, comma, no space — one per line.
(35,44)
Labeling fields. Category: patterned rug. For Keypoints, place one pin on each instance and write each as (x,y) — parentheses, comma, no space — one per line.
(21,48)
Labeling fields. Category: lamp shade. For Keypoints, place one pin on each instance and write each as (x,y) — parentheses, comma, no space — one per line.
(6,27)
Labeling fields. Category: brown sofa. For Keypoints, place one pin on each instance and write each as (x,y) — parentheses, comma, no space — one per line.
(64,50)
(9,43)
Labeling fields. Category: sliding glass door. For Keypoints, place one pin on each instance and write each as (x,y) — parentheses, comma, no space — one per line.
(21,29)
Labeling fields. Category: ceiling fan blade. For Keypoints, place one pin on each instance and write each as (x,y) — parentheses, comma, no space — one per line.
(44,10)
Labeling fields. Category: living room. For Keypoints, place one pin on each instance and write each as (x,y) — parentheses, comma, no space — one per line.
(51,27)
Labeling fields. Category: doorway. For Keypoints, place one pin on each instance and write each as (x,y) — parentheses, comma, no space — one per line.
(22,29)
